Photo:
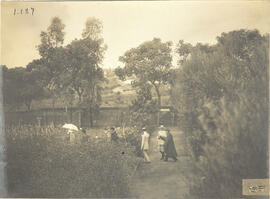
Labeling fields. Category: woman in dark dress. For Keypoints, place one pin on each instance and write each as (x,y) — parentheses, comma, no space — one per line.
(169,147)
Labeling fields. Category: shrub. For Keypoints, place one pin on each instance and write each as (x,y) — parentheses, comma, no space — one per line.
(221,94)
(47,166)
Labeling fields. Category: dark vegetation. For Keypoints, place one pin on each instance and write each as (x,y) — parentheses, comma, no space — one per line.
(221,92)
(41,163)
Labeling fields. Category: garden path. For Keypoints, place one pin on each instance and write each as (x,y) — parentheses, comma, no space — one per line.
(161,179)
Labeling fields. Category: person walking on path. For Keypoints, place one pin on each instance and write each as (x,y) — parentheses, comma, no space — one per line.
(114,136)
(161,143)
(145,145)
(169,147)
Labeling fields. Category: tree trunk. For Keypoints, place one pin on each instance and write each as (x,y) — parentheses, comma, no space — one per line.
(80,97)
(80,105)
(53,109)
(70,115)
(45,118)
(159,103)
(91,116)
(173,118)
(28,105)
(80,117)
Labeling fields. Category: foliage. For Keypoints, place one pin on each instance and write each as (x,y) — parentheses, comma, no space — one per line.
(81,70)
(141,113)
(53,38)
(51,61)
(41,163)
(221,94)
(94,75)
(132,136)
(143,108)
(93,29)
(51,52)
(21,87)
(149,65)
(73,71)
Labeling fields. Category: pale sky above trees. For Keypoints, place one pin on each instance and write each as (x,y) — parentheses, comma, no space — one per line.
(127,24)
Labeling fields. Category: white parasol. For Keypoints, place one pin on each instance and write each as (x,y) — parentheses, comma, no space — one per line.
(71,127)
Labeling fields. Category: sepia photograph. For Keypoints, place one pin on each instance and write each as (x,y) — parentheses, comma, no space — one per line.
(134,99)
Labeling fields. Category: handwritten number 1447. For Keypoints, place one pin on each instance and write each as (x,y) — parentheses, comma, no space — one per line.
(26,11)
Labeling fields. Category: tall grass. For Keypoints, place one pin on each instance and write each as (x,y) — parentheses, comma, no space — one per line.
(42,163)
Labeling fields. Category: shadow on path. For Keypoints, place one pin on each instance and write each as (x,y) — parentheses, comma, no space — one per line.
(161,179)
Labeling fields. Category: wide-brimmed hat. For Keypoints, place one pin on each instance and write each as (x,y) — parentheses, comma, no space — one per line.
(143,128)
(161,127)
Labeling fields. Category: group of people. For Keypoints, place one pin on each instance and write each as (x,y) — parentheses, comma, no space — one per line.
(165,141)
(165,144)
(81,135)
(112,134)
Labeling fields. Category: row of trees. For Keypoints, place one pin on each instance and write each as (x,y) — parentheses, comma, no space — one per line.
(71,73)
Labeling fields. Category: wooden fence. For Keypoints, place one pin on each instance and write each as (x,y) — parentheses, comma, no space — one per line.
(107,116)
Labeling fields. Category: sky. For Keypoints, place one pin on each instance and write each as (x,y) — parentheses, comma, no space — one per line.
(126,24)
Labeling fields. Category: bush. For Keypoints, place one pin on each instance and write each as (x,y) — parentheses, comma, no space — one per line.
(221,94)
(47,166)
(131,135)
(235,149)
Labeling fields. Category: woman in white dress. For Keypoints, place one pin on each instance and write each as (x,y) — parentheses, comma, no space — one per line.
(161,143)
(145,145)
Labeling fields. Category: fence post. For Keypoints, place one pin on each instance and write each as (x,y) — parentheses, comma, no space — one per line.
(80,117)
(39,121)
(70,115)
(172,118)
(45,117)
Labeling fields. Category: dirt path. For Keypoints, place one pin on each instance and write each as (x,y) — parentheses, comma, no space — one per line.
(161,179)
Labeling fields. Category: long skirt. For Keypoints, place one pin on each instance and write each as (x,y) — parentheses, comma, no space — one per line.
(146,157)
(161,148)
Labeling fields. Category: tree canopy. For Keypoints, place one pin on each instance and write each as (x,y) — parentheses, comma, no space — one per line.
(149,64)
(70,72)
(21,87)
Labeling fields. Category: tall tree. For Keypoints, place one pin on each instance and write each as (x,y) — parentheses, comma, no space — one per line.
(52,38)
(82,69)
(150,63)
(93,39)
(52,55)
(82,72)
